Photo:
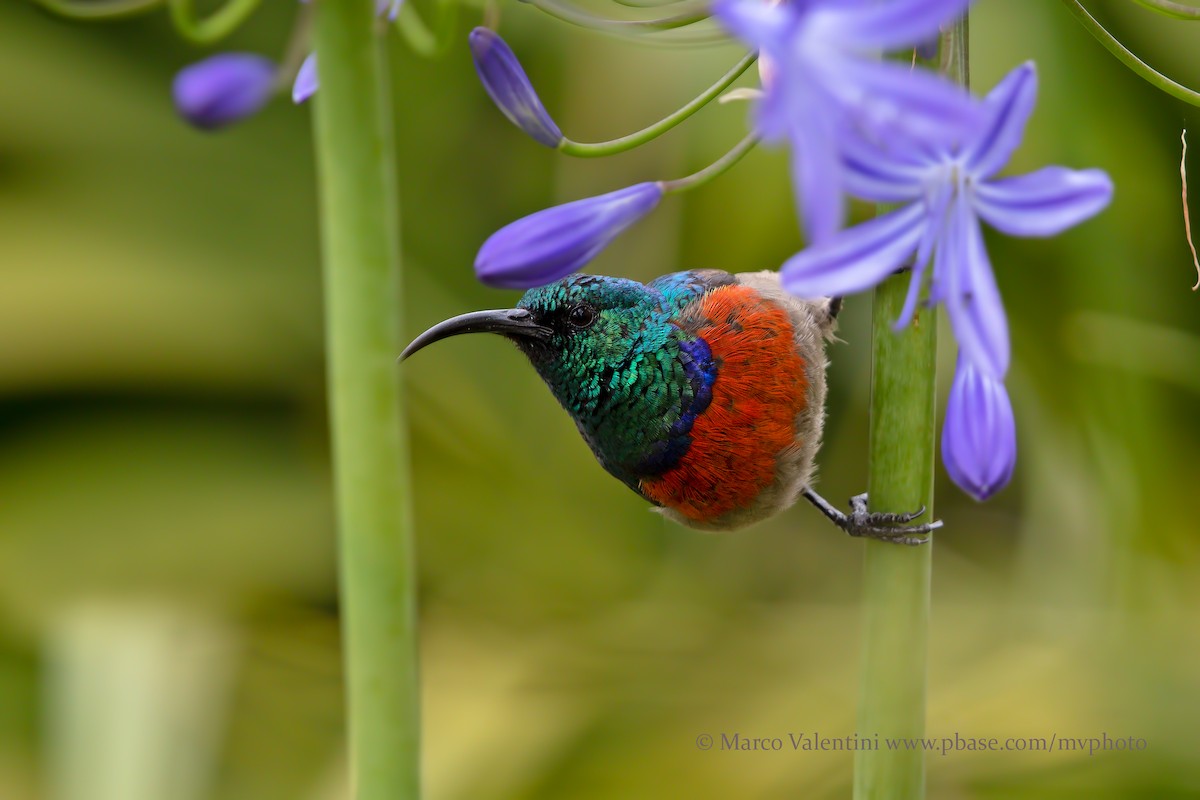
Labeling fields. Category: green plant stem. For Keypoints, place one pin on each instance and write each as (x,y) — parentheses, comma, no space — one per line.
(1126,57)
(648,3)
(359,221)
(1169,9)
(98,9)
(222,22)
(900,478)
(429,39)
(713,170)
(595,149)
(688,12)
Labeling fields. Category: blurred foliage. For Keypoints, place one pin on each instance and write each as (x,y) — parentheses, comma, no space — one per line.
(162,443)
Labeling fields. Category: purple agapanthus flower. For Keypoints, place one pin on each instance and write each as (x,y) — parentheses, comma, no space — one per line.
(307,83)
(949,188)
(979,438)
(509,87)
(554,242)
(224,88)
(826,78)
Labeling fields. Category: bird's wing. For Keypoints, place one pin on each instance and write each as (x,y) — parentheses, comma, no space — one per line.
(680,288)
(745,439)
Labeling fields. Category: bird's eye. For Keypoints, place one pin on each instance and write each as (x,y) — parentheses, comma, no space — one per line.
(581,316)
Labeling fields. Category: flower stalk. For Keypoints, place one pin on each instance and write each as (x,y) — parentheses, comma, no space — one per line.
(687,12)
(360,249)
(222,22)
(1126,57)
(98,9)
(896,591)
(651,132)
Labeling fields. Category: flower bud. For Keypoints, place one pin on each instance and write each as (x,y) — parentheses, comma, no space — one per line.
(979,438)
(554,242)
(509,87)
(306,80)
(224,88)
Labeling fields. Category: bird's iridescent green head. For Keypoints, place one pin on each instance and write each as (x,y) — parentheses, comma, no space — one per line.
(593,321)
(608,350)
(579,320)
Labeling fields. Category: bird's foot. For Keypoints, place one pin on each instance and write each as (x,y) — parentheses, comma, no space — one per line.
(862,523)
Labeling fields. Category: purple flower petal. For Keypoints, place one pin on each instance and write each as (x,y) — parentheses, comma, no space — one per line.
(817,179)
(306,82)
(897,24)
(889,99)
(890,172)
(1045,202)
(765,26)
(509,87)
(857,258)
(554,242)
(979,438)
(828,85)
(934,230)
(224,88)
(971,296)
(1007,108)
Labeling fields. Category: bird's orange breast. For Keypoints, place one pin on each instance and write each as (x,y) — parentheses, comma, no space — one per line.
(759,389)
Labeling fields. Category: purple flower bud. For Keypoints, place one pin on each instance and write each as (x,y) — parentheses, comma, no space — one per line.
(979,439)
(306,80)
(554,242)
(510,88)
(306,83)
(224,88)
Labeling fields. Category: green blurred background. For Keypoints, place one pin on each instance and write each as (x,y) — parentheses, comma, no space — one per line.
(167,600)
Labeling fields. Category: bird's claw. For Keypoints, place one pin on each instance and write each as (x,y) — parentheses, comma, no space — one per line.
(887,527)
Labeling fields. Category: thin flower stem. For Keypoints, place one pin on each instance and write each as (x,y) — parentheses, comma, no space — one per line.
(298,47)
(595,149)
(713,170)
(1169,9)
(428,40)
(900,478)
(216,26)
(659,4)
(98,9)
(1123,54)
(689,13)
(1187,218)
(360,248)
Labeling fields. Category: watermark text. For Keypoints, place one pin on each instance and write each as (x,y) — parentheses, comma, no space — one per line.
(814,741)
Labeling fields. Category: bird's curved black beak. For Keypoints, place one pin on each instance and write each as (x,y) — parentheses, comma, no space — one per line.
(515,323)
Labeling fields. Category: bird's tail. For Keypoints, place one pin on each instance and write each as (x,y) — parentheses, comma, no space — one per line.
(831,306)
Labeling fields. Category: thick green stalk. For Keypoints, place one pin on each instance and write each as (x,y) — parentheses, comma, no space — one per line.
(897,578)
(359,221)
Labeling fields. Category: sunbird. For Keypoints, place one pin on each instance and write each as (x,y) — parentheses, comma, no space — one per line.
(702,391)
